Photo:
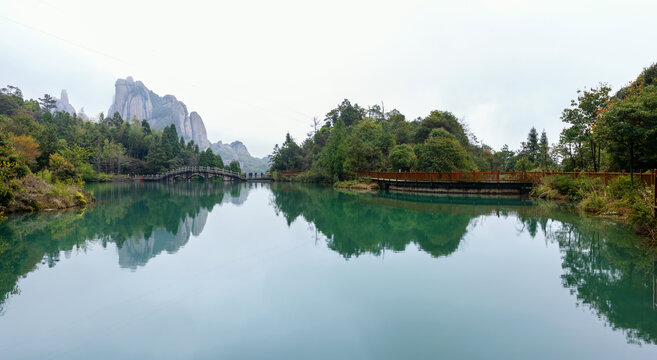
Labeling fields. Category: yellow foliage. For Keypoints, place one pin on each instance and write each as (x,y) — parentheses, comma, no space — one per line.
(27,147)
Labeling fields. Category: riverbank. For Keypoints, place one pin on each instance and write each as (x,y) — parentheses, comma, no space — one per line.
(623,200)
(357,185)
(32,194)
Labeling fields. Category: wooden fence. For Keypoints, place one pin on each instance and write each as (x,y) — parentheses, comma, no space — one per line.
(498,176)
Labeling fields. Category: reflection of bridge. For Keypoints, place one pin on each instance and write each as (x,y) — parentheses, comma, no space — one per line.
(188,172)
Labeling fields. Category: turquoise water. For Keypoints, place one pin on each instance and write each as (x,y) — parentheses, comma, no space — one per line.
(252,271)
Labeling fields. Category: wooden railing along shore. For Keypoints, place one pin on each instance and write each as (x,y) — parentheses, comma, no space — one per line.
(498,176)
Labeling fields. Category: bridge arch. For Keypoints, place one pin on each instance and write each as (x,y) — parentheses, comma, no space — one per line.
(190,171)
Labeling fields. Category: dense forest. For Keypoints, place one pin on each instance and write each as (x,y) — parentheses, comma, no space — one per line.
(57,147)
(111,145)
(602,133)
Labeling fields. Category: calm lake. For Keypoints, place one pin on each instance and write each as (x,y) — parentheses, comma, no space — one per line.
(286,271)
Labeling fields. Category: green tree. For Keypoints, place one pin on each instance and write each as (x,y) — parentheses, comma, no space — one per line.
(156,160)
(629,125)
(522,164)
(114,156)
(366,146)
(208,158)
(504,160)
(11,167)
(402,157)
(335,152)
(544,151)
(582,115)
(441,119)
(234,166)
(442,152)
(8,105)
(287,157)
(47,102)
(350,114)
(76,154)
(48,143)
(531,148)
(63,170)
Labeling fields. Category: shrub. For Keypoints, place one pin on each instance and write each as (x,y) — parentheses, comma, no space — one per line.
(314,175)
(642,213)
(565,186)
(623,187)
(80,200)
(594,203)
(45,175)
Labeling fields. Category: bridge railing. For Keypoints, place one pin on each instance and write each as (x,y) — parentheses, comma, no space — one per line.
(190,170)
(497,176)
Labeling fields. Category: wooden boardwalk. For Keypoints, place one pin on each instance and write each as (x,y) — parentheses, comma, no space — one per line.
(492,182)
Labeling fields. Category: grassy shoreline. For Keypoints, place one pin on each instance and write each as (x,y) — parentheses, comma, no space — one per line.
(34,194)
(621,200)
(357,185)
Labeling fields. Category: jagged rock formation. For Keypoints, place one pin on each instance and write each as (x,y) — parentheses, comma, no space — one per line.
(197,128)
(62,104)
(238,151)
(132,99)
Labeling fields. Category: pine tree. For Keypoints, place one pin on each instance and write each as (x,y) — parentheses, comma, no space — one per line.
(543,150)
(531,147)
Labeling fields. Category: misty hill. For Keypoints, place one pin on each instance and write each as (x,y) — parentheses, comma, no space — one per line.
(62,104)
(238,151)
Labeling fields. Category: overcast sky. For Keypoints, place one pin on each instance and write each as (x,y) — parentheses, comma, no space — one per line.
(257,69)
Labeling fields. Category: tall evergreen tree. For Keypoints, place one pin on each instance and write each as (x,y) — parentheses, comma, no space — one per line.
(544,150)
(531,147)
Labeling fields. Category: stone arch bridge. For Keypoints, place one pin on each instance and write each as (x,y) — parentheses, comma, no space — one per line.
(187,172)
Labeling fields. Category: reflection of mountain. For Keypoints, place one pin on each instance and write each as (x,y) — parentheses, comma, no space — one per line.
(138,250)
(602,265)
(142,220)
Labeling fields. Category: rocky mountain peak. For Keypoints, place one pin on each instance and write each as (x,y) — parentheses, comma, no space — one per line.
(62,104)
(239,148)
(133,98)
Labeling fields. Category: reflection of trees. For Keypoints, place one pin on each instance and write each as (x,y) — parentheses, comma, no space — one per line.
(143,220)
(603,266)
(607,272)
(356,224)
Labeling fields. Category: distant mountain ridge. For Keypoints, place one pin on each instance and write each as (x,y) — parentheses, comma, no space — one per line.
(133,99)
(237,151)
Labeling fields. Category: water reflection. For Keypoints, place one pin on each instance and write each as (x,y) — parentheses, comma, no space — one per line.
(143,220)
(603,266)
(610,275)
(366,223)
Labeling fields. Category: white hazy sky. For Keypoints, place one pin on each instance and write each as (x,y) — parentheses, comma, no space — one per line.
(256,69)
